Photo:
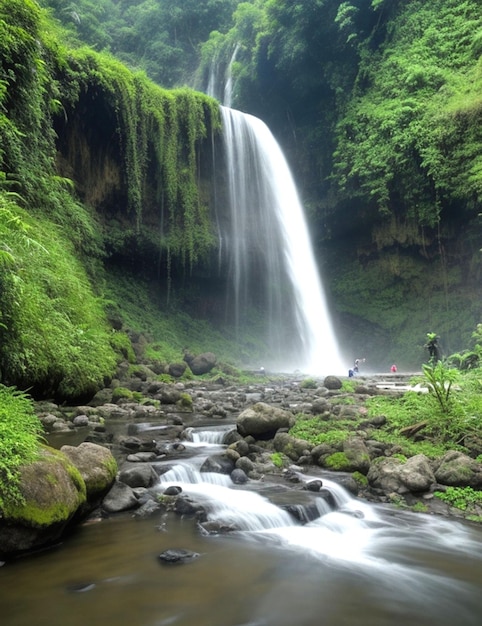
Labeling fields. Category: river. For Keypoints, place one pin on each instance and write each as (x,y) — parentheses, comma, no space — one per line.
(356,564)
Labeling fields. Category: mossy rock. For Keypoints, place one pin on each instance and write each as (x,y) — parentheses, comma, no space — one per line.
(53,490)
(96,465)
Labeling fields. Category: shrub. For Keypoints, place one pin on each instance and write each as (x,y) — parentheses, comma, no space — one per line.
(20,431)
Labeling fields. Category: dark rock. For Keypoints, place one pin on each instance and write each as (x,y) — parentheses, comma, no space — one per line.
(218,463)
(313,485)
(120,498)
(172,490)
(138,475)
(332,383)
(185,506)
(177,556)
(200,364)
(239,477)
(176,370)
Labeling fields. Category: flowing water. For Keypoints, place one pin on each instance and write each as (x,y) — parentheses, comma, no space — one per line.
(265,241)
(271,259)
(347,563)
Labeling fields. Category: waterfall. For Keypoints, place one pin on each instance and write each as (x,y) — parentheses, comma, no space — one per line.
(271,262)
(265,243)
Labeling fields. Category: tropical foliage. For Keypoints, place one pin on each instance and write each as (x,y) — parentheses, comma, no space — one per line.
(20,430)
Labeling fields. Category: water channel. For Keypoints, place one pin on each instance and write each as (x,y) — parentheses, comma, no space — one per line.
(352,564)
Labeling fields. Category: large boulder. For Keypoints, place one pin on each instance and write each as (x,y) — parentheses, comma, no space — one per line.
(333,383)
(53,491)
(262,421)
(357,455)
(456,469)
(96,465)
(393,476)
(200,364)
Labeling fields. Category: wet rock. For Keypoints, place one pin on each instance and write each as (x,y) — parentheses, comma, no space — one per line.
(218,463)
(185,506)
(216,528)
(121,497)
(238,476)
(80,587)
(148,508)
(172,490)
(141,457)
(313,485)
(177,556)
(139,475)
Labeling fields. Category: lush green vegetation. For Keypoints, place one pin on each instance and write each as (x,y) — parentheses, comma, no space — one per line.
(158,36)
(463,498)
(54,335)
(53,332)
(378,104)
(447,417)
(20,430)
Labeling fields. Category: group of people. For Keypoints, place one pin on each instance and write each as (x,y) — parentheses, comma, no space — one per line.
(432,345)
(356,368)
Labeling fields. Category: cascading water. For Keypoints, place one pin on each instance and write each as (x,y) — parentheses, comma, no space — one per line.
(264,235)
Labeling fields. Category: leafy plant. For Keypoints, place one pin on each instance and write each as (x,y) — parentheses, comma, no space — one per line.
(277,459)
(439,380)
(462,498)
(20,432)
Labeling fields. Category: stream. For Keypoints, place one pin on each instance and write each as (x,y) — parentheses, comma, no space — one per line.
(351,564)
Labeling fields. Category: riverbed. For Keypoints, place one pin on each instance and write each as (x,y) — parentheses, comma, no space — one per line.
(355,564)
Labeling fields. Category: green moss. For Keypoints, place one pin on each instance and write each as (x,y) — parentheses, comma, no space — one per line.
(278,459)
(185,401)
(361,479)
(46,506)
(337,461)
(420,507)
(121,393)
(122,345)
(308,383)
(111,466)
(317,431)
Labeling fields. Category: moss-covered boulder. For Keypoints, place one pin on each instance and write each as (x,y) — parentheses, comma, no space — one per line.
(291,446)
(96,465)
(53,490)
